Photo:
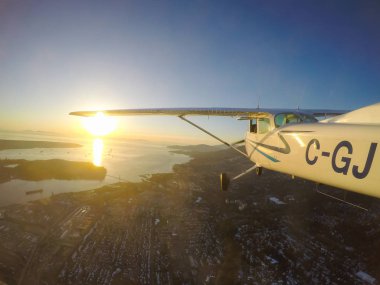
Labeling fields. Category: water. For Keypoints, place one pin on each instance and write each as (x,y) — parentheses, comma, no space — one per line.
(127,160)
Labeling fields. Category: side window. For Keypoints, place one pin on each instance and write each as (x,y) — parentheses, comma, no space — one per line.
(253,126)
(280,120)
(292,119)
(287,118)
(264,125)
(308,118)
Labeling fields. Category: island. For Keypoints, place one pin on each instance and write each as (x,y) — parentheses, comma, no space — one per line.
(21,144)
(37,170)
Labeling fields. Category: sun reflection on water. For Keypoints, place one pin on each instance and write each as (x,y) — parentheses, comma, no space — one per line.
(97,152)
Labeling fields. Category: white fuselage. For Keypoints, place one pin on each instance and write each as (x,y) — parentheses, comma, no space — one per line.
(342,155)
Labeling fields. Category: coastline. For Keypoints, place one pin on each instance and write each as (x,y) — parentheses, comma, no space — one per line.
(23,170)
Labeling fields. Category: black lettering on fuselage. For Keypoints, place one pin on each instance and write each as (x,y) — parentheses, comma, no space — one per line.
(368,163)
(345,160)
(317,146)
(341,158)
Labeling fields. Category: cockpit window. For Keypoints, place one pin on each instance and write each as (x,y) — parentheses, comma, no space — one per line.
(292,118)
(283,119)
(253,126)
(305,118)
(264,125)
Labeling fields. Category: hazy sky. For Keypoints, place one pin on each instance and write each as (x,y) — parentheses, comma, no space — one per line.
(60,56)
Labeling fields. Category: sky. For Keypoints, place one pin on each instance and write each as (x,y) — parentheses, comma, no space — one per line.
(61,56)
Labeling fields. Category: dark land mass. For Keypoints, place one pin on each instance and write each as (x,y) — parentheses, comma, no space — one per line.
(178,228)
(37,170)
(193,149)
(20,144)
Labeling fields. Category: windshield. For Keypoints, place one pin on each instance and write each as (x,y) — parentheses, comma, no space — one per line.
(293,118)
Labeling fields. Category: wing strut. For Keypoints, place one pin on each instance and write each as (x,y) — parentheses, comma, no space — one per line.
(215,137)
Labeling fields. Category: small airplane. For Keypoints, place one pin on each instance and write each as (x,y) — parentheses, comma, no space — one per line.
(339,150)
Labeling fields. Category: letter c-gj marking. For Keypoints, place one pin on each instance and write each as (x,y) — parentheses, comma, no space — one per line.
(317,146)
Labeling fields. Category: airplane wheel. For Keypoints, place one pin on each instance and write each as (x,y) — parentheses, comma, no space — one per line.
(259,171)
(224,182)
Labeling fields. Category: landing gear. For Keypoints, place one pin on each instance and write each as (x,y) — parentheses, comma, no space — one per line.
(224,181)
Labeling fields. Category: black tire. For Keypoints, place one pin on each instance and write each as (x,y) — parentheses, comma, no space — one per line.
(224,182)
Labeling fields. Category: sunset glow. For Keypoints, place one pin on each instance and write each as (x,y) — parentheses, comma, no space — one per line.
(100,125)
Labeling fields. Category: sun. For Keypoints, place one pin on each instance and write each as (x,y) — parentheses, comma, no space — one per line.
(99,125)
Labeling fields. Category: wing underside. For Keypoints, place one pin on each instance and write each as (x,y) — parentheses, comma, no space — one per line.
(241,113)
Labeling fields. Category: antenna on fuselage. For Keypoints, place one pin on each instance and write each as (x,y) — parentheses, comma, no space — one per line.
(300,97)
(258,102)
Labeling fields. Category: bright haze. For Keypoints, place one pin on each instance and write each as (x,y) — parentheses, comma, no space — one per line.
(62,56)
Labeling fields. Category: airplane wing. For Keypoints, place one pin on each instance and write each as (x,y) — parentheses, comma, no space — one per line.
(240,113)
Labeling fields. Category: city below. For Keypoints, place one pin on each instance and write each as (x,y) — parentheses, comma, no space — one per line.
(179,228)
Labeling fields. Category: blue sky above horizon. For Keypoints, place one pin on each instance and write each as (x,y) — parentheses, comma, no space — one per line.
(60,56)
